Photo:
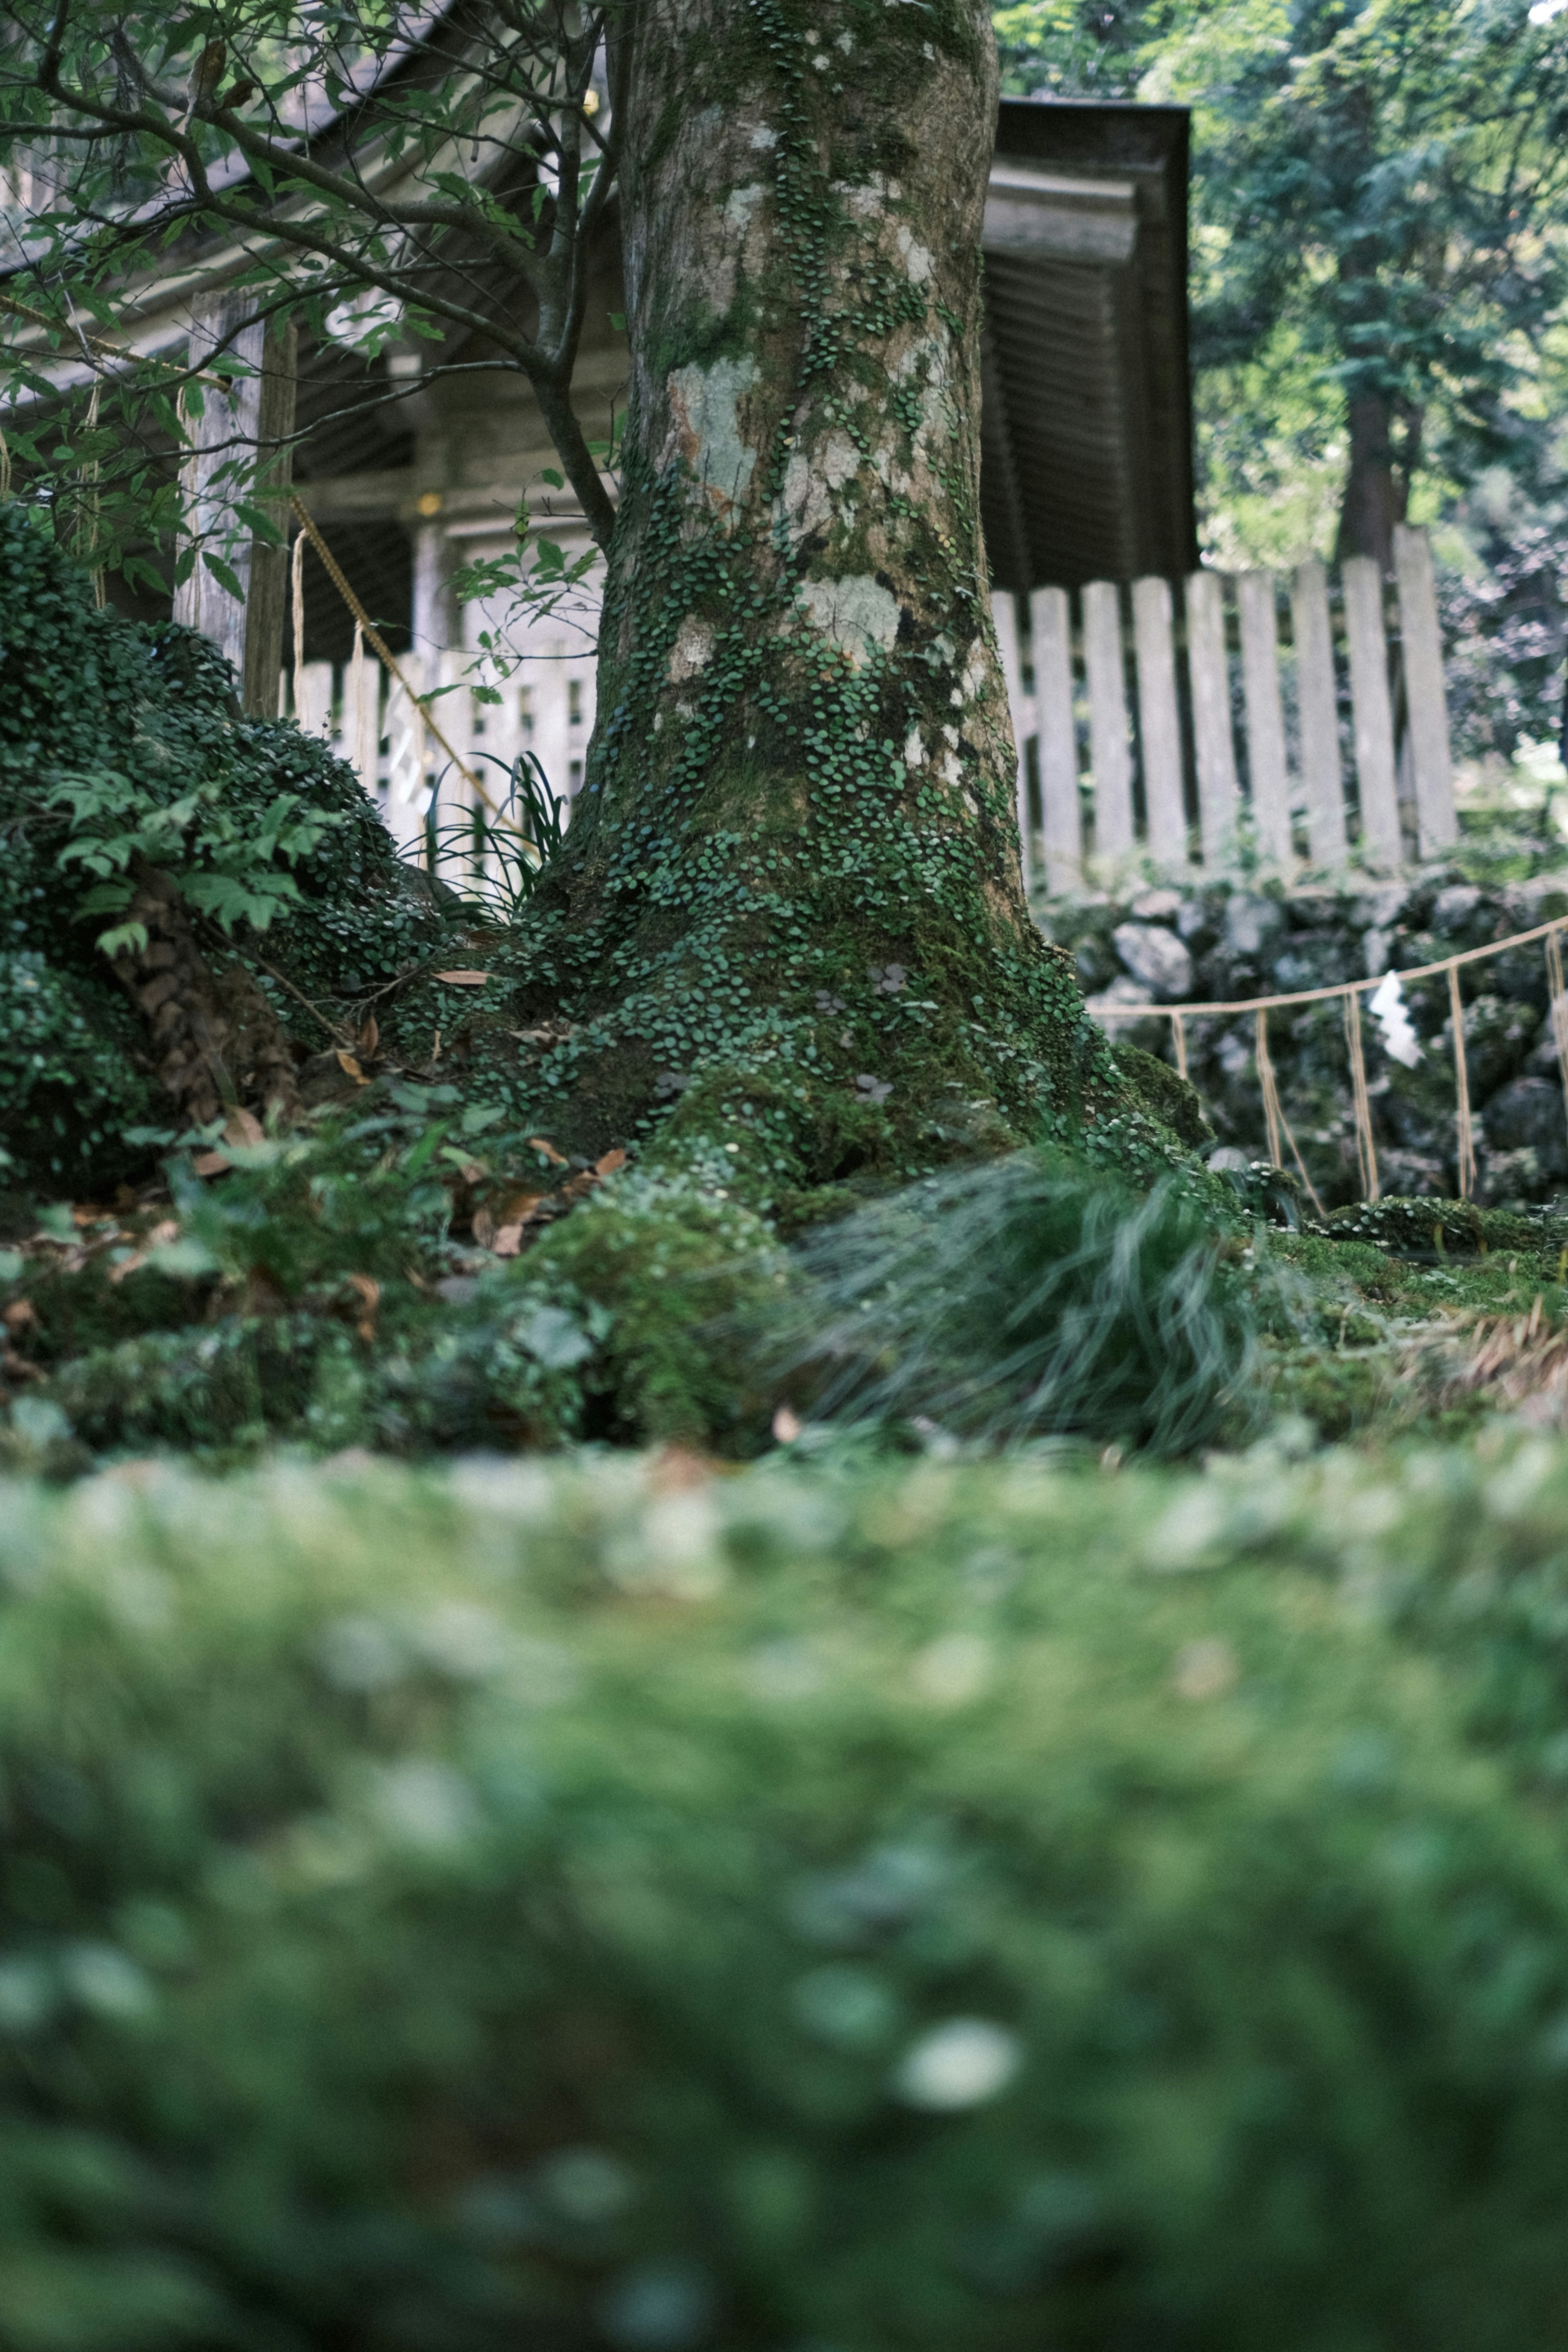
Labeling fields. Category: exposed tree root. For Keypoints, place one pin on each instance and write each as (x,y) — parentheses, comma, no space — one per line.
(217,1043)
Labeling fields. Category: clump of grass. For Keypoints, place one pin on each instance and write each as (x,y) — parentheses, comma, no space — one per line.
(1032,1298)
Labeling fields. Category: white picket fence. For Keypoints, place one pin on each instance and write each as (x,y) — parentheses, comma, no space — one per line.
(1143,740)
(1144,737)
(546,707)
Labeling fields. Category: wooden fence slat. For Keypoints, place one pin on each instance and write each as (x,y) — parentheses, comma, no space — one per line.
(1160,723)
(315,711)
(1004,614)
(1318,715)
(1254,596)
(1209,671)
(1425,700)
(1050,627)
(1372,710)
(1111,751)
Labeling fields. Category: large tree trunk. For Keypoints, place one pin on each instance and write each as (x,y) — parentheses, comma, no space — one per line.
(792,879)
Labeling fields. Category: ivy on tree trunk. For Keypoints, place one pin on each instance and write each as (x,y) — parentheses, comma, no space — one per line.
(791,879)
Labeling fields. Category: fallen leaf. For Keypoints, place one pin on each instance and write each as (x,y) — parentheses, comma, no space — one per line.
(518,1207)
(463,979)
(369,1038)
(556,1159)
(369,1290)
(243,1127)
(507,1240)
(19,1312)
(346,1063)
(609,1163)
(211,1163)
(484,1228)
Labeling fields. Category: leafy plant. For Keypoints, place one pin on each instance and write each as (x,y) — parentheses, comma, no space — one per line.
(226,868)
(1032,1297)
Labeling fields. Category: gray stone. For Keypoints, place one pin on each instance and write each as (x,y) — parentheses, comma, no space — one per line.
(1452,908)
(1376,947)
(1409,1175)
(1380,909)
(1525,904)
(1156,957)
(1228,1161)
(1156,905)
(1250,923)
(1527,1115)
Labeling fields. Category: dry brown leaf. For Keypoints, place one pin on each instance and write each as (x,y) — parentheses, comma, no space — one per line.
(347,1063)
(369,1038)
(211,1163)
(609,1163)
(518,1208)
(369,1290)
(20,1312)
(484,1228)
(244,1127)
(556,1159)
(507,1240)
(463,979)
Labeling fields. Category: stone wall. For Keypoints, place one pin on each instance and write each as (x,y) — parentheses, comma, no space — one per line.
(1224,940)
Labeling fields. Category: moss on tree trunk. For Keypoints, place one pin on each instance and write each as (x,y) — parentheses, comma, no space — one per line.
(791,886)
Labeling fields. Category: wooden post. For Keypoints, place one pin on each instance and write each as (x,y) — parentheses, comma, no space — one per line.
(239,450)
(1110,750)
(1050,626)
(1372,709)
(1004,614)
(1317,711)
(1427,703)
(1265,717)
(267,606)
(1159,723)
(1209,670)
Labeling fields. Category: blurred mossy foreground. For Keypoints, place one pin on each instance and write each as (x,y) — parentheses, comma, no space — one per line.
(600,1906)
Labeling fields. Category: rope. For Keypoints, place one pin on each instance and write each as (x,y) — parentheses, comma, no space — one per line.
(1178,1032)
(1366,1150)
(4,467)
(89,514)
(297,582)
(1559,1009)
(374,639)
(1340,987)
(1462,1086)
(1271,1093)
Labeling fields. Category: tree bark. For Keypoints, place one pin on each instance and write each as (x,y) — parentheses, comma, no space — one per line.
(792,877)
(1376,491)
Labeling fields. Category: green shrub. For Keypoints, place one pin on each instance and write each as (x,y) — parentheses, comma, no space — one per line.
(886,1910)
(115,739)
(1033,1297)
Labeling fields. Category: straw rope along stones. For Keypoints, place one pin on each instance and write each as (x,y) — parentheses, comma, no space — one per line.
(1350,994)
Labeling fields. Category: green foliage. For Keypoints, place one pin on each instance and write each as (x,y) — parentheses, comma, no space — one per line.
(1034,1297)
(119,743)
(193,128)
(919,1909)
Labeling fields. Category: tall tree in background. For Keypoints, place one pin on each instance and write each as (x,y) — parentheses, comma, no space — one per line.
(1378,204)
